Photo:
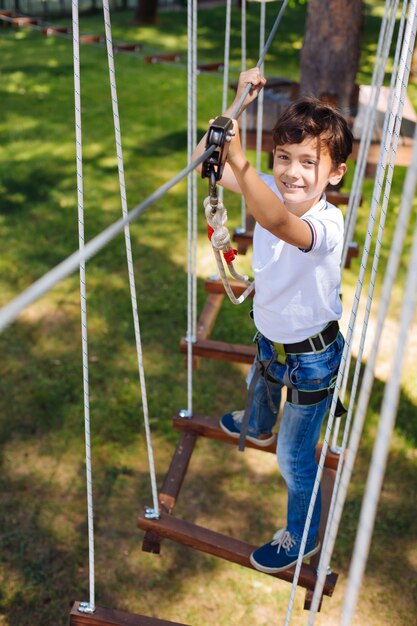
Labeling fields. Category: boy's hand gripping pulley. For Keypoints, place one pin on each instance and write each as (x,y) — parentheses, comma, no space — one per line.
(220,134)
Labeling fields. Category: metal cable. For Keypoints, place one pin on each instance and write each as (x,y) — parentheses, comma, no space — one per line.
(260,99)
(226,58)
(11,310)
(239,104)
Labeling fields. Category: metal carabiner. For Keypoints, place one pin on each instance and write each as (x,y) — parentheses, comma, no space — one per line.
(214,199)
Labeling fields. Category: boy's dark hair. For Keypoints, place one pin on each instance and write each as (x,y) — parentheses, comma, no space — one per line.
(309,117)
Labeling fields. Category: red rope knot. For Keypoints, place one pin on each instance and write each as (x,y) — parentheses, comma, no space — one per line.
(230,255)
(210,231)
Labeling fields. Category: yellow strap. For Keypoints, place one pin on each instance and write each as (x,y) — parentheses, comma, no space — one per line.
(281,354)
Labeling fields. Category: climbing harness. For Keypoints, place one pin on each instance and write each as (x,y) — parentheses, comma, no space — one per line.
(220,134)
(302,397)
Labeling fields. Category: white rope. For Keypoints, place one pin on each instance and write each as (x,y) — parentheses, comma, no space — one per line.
(135,312)
(372,108)
(191,200)
(338,501)
(384,42)
(194,143)
(260,99)
(244,117)
(388,143)
(381,448)
(394,115)
(90,607)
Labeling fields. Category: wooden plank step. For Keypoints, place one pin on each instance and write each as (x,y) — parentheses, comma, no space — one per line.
(221,350)
(162,58)
(109,617)
(208,426)
(229,548)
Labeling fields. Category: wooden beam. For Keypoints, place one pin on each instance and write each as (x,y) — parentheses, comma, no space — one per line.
(225,547)
(353,252)
(336,197)
(243,239)
(172,485)
(208,426)
(205,324)
(109,617)
(214,285)
(221,350)
(209,314)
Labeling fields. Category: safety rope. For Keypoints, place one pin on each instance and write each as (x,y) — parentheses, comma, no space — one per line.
(219,236)
(337,505)
(129,256)
(389,142)
(362,157)
(85,606)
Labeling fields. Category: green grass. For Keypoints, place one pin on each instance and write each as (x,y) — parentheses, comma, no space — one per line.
(43,540)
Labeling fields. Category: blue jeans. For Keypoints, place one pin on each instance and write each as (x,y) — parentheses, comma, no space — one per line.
(300,426)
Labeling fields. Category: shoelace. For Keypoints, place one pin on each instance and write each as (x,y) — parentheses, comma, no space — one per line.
(283,539)
(238,416)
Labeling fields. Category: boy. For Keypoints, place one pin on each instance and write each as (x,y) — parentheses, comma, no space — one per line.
(297,247)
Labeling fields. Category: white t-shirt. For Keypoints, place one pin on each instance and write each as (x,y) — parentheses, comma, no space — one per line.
(298,292)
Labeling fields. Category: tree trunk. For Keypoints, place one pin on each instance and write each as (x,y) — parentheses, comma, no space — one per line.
(331,49)
(146,12)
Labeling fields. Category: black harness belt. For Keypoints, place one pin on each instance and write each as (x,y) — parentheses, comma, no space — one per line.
(316,343)
(302,397)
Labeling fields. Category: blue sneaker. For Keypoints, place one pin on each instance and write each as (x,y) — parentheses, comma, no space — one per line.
(231,424)
(281,553)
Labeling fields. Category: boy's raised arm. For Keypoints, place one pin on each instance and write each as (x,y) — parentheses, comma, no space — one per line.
(252,76)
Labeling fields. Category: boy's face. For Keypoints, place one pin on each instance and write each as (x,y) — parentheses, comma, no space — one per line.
(302,171)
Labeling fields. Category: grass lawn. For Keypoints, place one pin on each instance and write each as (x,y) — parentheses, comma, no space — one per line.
(43,538)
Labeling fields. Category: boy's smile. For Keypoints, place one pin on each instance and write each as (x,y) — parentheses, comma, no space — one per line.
(302,171)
